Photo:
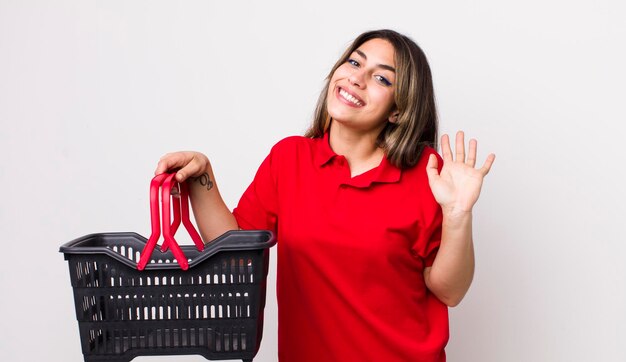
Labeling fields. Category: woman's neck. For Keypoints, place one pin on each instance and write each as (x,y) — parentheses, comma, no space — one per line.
(359,148)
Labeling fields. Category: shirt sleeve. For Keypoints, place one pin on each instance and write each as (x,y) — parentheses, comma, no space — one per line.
(429,240)
(257,209)
(429,234)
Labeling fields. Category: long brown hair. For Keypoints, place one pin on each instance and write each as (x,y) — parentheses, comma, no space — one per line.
(416,126)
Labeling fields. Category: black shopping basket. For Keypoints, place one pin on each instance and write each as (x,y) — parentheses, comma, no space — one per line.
(214,308)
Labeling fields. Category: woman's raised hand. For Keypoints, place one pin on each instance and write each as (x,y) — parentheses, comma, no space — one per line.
(458,185)
(186,164)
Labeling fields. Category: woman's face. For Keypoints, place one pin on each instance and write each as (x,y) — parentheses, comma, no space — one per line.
(360,93)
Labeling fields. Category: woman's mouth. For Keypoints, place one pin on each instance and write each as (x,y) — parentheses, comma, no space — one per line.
(349,98)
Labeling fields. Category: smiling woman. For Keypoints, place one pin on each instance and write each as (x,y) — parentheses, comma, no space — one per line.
(407,72)
(374,230)
(360,92)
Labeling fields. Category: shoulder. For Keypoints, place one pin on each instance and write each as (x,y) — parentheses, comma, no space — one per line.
(420,166)
(416,179)
(291,157)
(293,144)
(291,150)
(292,141)
(426,152)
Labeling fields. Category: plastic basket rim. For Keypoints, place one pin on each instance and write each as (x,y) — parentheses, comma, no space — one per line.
(229,241)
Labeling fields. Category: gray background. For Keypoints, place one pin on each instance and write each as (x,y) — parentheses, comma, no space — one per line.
(92,93)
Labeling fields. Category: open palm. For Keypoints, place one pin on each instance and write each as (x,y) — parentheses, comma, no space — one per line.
(457,187)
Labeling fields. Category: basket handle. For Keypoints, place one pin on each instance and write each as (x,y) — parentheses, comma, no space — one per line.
(181,212)
(154,218)
(166,182)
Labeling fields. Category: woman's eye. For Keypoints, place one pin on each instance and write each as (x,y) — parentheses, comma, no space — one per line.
(353,62)
(383,80)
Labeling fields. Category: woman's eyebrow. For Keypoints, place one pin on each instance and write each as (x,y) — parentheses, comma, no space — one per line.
(384,66)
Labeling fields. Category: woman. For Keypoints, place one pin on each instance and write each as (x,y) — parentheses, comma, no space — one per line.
(374,235)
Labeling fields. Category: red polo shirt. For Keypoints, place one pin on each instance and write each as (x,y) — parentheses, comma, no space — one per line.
(351,255)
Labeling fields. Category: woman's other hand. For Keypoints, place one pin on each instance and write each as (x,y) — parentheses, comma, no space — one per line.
(186,163)
(458,185)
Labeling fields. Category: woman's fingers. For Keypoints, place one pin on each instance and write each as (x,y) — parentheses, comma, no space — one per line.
(431,168)
(487,165)
(446,151)
(189,170)
(460,146)
(459,153)
(186,164)
(471,155)
(162,166)
(171,161)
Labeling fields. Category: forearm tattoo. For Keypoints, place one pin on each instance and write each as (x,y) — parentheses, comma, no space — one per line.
(204,180)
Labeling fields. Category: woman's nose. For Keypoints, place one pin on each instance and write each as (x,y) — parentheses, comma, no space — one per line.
(356,79)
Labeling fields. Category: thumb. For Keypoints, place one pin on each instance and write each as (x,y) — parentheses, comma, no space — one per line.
(431,167)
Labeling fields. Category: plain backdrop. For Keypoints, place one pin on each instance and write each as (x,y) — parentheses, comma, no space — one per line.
(92,93)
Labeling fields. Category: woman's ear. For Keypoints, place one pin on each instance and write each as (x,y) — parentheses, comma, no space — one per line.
(393,117)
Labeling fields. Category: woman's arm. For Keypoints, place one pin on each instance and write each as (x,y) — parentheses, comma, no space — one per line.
(451,274)
(456,189)
(211,213)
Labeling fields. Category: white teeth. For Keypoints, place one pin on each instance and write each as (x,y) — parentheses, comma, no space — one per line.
(349,97)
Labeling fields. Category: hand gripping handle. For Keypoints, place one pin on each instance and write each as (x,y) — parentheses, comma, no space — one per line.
(166,182)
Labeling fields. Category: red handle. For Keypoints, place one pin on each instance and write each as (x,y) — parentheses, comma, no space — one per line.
(167,227)
(154,218)
(166,182)
(181,211)
(184,196)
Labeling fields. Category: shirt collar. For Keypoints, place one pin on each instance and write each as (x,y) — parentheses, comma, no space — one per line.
(385,172)
(323,152)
